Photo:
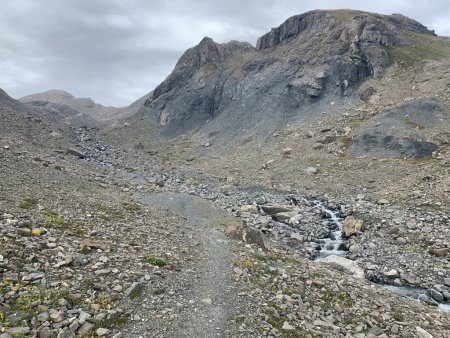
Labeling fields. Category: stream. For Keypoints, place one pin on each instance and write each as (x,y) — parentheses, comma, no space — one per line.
(418,294)
(331,246)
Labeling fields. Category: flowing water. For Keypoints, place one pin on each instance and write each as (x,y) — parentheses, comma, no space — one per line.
(331,246)
(417,293)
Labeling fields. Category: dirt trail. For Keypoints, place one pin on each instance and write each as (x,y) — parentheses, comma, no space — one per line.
(208,284)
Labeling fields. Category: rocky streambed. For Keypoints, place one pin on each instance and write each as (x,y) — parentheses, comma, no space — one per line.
(322,231)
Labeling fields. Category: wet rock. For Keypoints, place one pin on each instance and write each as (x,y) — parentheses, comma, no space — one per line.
(437,296)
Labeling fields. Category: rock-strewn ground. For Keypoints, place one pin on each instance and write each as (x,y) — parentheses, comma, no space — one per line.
(101,246)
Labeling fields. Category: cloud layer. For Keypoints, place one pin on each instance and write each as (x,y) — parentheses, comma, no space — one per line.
(116,51)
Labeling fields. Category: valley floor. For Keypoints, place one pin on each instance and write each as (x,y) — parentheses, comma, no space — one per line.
(121,249)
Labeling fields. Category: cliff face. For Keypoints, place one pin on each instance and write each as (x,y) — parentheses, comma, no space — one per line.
(308,61)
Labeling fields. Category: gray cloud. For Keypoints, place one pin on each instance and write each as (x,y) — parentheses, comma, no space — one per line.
(117,51)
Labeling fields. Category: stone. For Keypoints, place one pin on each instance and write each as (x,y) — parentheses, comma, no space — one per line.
(421,333)
(83,317)
(441,252)
(391,273)
(312,170)
(57,316)
(135,290)
(75,152)
(287,151)
(352,226)
(382,201)
(254,236)
(436,295)
(33,276)
(207,301)
(447,281)
(65,333)
(344,264)
(101,332)
(287,327)
(45,333)
(272,209)
(85,328)
(284,216)
(376,330)
(297,237)
(410,278)
(6,335)
(15,331)
(250,208)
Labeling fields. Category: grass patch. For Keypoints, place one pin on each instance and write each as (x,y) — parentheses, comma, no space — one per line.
(132,207)
(28,203)
(156,261)
(246,263)
(398,315)
(53,220)
(422,47)
(108,213)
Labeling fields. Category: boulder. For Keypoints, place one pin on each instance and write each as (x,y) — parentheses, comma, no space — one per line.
(352,226)
(421,333)
(344,264)
(272,209)
(250,208)
(441,252)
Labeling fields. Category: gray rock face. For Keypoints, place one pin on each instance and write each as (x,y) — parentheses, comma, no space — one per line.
(296,70)
(403,131)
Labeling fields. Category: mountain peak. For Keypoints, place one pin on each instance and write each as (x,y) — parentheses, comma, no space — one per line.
(347,25)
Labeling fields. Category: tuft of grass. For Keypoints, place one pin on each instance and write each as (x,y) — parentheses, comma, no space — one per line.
(28,203)
(156,261)
(398,315)
(132,207)
(54,220)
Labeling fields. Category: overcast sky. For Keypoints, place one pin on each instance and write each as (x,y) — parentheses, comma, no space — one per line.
(116,51)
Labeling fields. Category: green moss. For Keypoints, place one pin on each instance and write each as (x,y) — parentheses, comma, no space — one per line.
(28,203)
(156,261)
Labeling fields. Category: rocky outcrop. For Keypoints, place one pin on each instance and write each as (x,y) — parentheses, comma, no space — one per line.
(404,131)
(206,52)
(303,23)
(296,70)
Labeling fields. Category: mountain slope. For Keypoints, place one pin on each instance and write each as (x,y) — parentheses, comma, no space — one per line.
(308,61)
(84,106)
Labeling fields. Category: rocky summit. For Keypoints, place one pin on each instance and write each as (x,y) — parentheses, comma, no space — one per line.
(299,188)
